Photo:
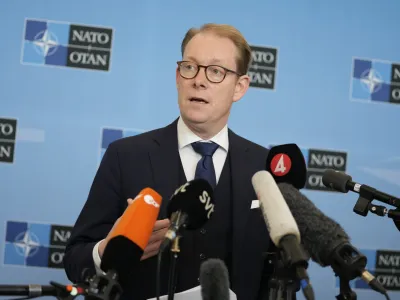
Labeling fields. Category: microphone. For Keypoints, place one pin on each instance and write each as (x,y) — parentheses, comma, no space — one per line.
(286,163)
(131,235)
(190,207)
(282,227)
(36,290)
(326,241)
(342,182)
(214,280)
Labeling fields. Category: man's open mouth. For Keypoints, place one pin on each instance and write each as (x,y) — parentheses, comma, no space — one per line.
(199,100)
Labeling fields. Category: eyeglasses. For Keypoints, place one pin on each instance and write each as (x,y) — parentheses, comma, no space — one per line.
(214,73)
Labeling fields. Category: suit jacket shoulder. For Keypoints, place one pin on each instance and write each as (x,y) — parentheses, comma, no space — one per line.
(141,142)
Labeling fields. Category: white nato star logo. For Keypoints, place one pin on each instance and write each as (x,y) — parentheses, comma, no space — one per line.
(371,80)
(46,43)
(27,244)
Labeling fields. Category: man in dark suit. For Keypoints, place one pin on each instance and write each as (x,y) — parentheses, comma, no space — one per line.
(210,78)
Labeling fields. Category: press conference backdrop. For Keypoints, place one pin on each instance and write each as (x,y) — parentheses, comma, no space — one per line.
(78,75)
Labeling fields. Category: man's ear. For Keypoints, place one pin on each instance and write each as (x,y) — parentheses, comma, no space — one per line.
(177,77)
(241,87)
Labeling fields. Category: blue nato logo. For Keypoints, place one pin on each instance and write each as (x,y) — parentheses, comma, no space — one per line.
(62,44)
(384,264)
(375,81)
(35,244)
(109,135)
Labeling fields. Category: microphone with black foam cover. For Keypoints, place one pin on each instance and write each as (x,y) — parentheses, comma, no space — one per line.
(214,280)
(190,207)
(286,163)
(325,240)
(282,227)
(131,235)
(343,182)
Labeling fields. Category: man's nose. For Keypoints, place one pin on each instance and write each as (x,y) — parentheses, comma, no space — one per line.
(201,79)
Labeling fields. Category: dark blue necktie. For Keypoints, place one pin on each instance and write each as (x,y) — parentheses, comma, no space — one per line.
(205,166)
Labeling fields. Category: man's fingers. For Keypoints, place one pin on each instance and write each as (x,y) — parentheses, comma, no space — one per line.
(152,247)
(157,235)
(149,254)
(161,224)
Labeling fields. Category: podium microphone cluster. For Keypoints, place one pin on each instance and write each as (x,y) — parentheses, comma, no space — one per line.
(323,239)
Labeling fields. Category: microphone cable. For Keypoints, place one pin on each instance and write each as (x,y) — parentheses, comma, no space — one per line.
(158,274)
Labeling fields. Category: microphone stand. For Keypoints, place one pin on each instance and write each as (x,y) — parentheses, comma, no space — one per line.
(347,263)
(104,287)
(30,291)
(175,249)
(346,293)
(283,284)
(382,211)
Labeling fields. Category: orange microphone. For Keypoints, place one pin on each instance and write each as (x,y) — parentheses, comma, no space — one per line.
(131,235)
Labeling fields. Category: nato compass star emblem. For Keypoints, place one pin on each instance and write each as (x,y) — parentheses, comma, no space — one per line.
(45,43)
(371,80)
(26,244)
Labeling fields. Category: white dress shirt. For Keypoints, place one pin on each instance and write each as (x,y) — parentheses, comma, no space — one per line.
(189,159)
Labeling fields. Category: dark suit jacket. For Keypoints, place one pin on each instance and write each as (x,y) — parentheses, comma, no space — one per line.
(151,160)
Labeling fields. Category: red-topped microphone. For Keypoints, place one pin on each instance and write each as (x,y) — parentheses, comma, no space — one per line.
(286,164)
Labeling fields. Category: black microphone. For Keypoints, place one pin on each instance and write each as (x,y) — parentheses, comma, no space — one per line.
(37,290)
(286,163)
(214,280)
(342,182)
(326,241)
(31,290)
(190,207)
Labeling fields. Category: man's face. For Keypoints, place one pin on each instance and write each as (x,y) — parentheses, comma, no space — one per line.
(201,101)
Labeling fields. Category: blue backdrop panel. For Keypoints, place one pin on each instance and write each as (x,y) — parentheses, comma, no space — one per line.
(77,75)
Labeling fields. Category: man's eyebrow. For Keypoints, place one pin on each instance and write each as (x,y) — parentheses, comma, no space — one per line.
(213,61)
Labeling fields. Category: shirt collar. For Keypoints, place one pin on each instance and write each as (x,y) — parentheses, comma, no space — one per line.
(187,137)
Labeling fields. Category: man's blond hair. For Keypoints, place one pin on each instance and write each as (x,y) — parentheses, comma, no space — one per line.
(226,31)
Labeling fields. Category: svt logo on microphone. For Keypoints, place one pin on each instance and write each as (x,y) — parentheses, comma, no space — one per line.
(281,164)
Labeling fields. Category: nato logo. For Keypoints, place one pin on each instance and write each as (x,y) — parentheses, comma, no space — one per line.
(61,44)
(318,160)
(35,244)
(109,135)
(263,66)
(384,265)
(375,80)
(8,136)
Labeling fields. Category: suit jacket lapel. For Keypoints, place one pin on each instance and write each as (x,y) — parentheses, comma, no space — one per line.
(165,162)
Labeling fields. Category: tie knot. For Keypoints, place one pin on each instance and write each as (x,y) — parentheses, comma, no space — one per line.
(205,149)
